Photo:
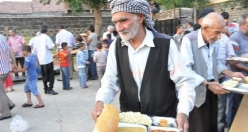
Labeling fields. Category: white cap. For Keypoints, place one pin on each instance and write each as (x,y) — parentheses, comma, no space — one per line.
(110,27)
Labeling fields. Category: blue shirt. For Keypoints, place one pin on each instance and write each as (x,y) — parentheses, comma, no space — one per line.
(240,44)
(30,63)
(81,59)
(109,42)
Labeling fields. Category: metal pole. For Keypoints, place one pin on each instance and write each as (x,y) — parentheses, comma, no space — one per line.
(180,13)
(174,20)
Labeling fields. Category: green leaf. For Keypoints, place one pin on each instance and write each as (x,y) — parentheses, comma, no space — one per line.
(170,4)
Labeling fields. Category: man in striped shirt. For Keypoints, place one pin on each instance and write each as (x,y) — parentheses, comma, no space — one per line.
(5,67)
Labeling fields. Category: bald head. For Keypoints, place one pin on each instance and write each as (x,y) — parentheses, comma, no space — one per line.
(212,27)
(213,18)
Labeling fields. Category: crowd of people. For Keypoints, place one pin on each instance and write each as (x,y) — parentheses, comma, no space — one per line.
(156,74)
(38,56)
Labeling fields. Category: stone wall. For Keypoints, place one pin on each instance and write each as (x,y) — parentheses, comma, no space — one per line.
(28,27)
(12,7)
(234,12)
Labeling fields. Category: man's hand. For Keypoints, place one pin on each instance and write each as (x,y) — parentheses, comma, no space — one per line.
(216,88)
(233,74)
(14,68)
(97,110)
(237,74)
(182,122)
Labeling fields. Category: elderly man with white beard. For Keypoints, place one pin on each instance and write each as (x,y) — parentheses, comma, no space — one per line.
(146,67)
(201,53)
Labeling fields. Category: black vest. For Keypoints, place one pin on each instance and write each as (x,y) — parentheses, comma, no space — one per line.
(157,93)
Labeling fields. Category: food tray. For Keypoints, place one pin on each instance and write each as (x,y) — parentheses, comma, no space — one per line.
(240,59)
(132,125)
(170,129)
(170,121)
(242,89)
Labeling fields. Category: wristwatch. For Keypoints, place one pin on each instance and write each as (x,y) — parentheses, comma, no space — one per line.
(207,85)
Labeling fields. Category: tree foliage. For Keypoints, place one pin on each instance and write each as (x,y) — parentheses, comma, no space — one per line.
(96,5)
(170,4)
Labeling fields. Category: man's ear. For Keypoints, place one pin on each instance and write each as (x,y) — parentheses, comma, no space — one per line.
(204,27)
(200,21)
(141,18)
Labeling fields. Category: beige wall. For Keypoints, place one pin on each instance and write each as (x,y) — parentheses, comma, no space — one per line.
(234,12)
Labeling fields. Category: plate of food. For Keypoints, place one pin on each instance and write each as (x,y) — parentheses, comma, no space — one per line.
(135,118)
(242,89)
(241,59)
(162,129)
(128,127)
(230,83)
(235,86)
(164,121)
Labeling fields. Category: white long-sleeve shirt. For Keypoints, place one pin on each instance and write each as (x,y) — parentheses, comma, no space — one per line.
(137,58)
(42,48)
(65,36)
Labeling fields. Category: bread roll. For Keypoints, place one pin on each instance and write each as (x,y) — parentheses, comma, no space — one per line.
(246,80)
(108,121)
(163,123)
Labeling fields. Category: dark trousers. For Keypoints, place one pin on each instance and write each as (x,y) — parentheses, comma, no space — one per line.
(225,103)
(5,102)
(20,61)
(65,77)
(204,118)
(47,72)
(92,68)
(237,98)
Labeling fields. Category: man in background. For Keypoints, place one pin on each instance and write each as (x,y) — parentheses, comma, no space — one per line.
(230,27)
(154,6)
(178,36)
(110,31)
(91,40)
(5,67)
(16,42)
(66,36)
(189,26)
(43,49)
(240,44)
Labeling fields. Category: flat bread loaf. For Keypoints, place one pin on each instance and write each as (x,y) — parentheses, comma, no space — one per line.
(108,121)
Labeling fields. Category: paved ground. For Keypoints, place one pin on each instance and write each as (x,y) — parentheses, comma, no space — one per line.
(69,111)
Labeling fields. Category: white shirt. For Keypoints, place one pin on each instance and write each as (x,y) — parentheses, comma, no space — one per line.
(32,41)
(138,58)
(65,36)
(225,50)
(104,36)
(186,53)
(42,48)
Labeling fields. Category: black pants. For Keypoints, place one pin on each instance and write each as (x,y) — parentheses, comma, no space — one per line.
(21,62)
(204,118)
(47,72)
(237,98)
